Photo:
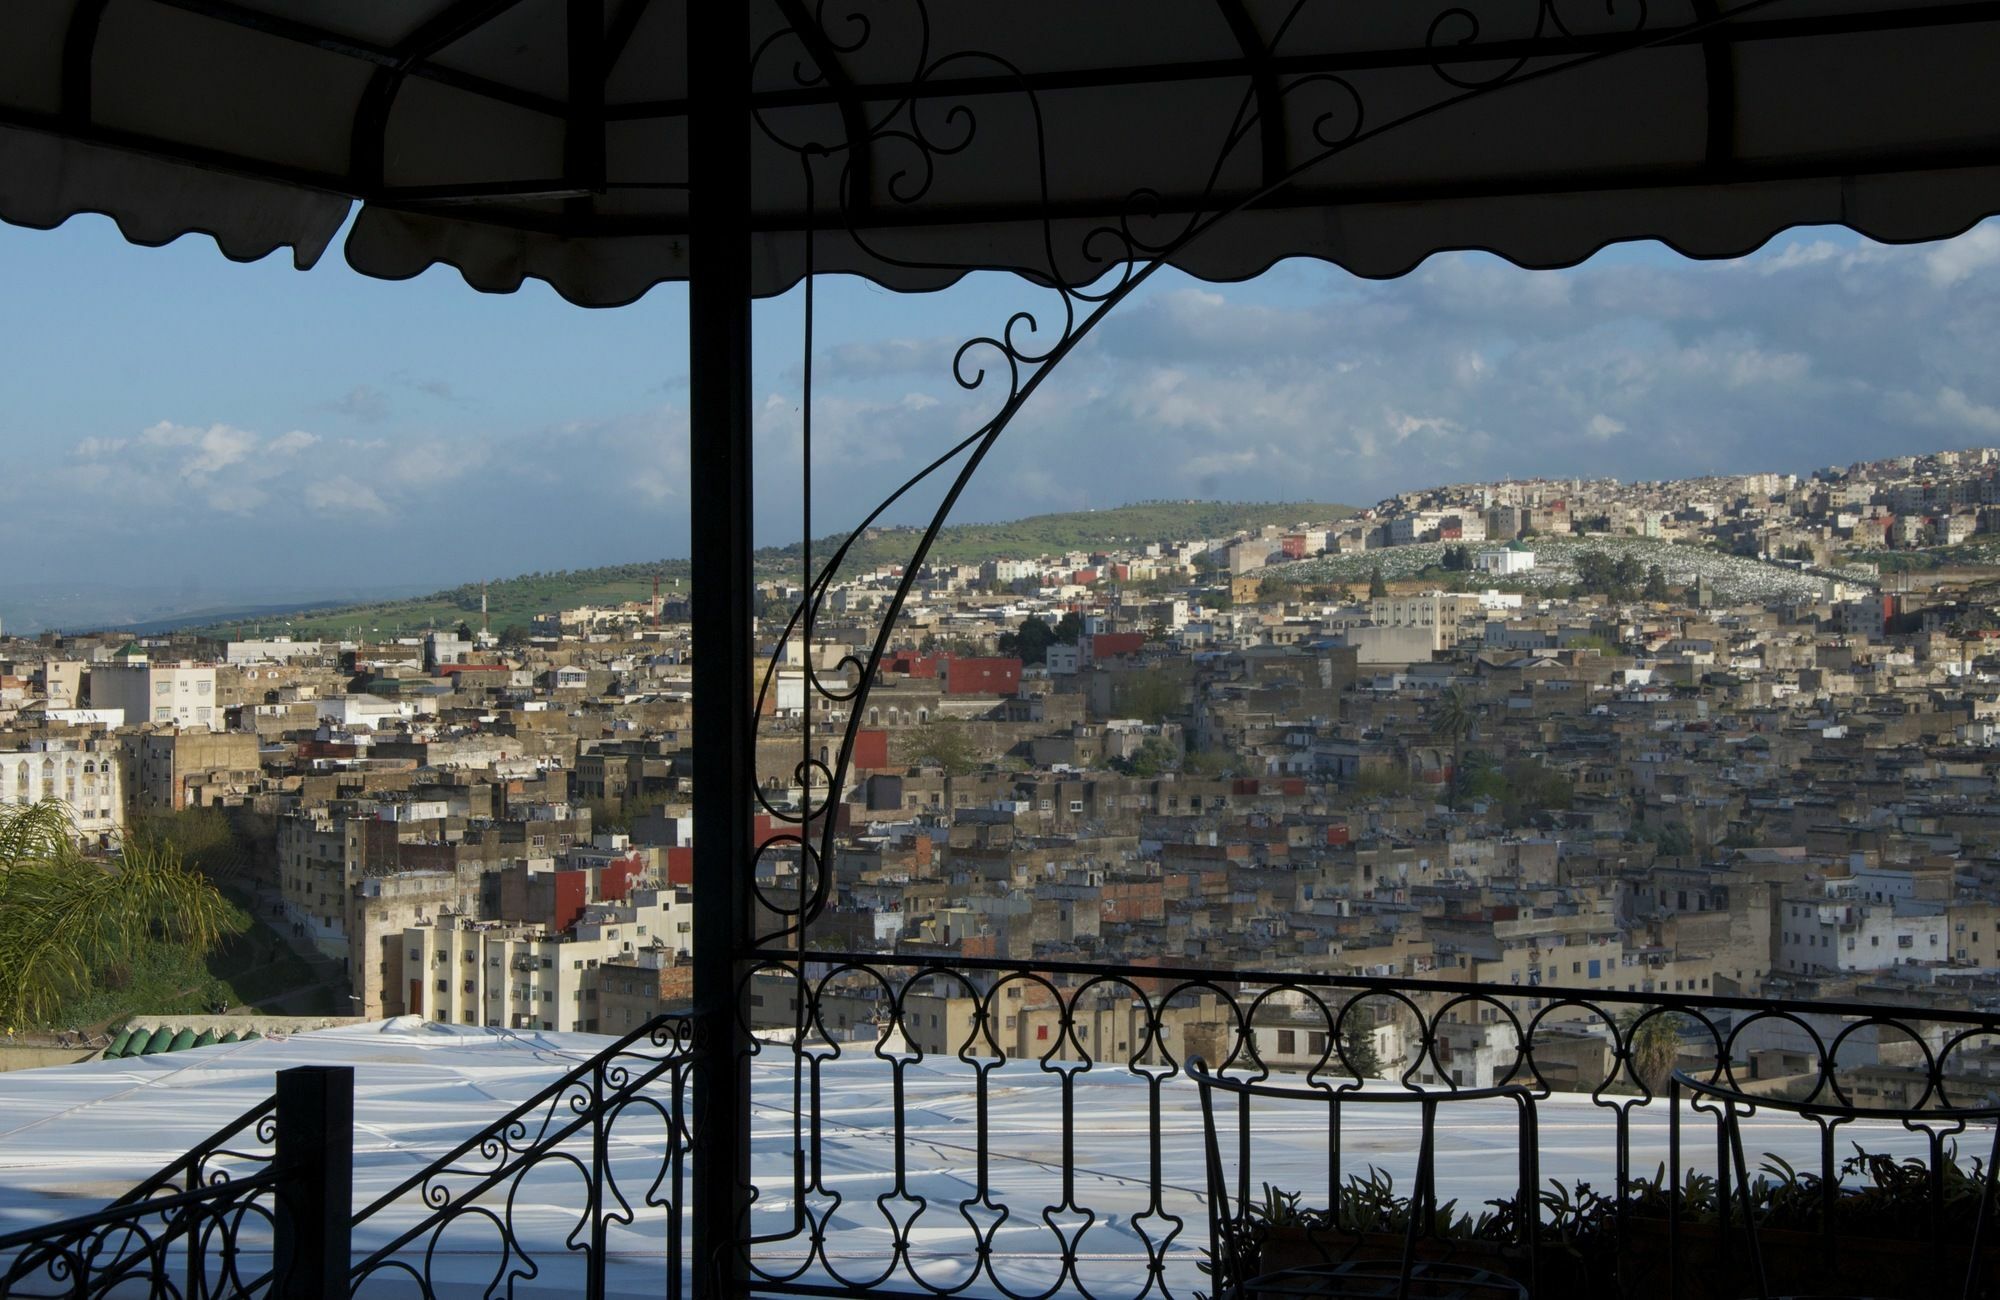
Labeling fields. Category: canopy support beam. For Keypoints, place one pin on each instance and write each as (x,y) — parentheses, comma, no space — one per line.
(1264,82)
(724,652)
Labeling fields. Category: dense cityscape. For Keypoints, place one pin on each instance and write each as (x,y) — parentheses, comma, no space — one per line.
(1714,736)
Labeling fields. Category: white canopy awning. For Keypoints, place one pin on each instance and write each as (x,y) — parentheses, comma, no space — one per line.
(546,138)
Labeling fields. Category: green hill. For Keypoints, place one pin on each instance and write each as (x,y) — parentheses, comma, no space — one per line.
(516,600)
(1084,530)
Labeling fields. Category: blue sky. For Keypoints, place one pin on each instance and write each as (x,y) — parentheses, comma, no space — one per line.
(173,417)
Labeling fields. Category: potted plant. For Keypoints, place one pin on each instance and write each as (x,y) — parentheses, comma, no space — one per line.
(1880,1243)
(1591,1245)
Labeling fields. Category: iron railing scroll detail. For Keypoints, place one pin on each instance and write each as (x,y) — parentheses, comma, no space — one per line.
(600,1152)
(230,1218)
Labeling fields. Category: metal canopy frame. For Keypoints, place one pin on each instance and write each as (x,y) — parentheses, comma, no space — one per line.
(601,32)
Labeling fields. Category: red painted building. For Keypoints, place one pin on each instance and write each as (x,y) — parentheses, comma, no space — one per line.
(986,676)
(871,749)
(910,664)
(1110,645)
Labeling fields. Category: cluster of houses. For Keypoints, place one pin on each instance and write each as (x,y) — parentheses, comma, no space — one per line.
(1672,793)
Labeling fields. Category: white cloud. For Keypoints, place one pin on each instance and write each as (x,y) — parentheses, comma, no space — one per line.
(1951,262)
(342,494)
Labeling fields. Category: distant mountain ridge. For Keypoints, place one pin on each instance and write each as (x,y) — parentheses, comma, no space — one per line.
(516,600)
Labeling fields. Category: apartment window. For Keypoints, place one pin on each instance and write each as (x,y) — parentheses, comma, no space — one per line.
(1316,1044)
(1041,1033)
(416,954)
(1906,941)
(1288,1042)
(444,986)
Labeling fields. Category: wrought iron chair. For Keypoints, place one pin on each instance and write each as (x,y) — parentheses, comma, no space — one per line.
(1730,1106)
(1359,1271)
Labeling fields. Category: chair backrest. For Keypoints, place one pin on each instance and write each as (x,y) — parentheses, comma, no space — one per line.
(1730,1106)
(1234,1212)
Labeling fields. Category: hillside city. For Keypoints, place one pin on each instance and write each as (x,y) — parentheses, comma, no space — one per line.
(1726,735)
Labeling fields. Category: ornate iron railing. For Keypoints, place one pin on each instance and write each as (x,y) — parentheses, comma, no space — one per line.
(547,1185)
(1102,1198)
(241,1214)
(951,1126)
(182,1231)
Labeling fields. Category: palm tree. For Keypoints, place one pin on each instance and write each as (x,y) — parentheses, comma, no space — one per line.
(64,916)
(1452,721)
(1653,1044)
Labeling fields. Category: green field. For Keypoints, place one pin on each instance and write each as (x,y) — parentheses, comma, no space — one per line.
(515,601)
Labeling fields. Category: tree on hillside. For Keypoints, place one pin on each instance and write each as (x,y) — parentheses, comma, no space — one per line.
(1031,644)
(65,917)
(1376,587)
(1155,756)
(513,637)
(1357,1048)
(1652,1045)
(1452,721)
(1656,584)
(942,742)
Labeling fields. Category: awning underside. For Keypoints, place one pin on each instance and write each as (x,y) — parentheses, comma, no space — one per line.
(1038,136)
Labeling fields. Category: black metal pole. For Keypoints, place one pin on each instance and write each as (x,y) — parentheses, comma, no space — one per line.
(719,467)
(315,1203)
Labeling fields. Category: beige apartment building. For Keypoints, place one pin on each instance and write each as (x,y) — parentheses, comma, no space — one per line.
(505,975)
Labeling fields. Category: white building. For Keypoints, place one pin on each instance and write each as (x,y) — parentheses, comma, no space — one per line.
(181,693)
(82,775)
(277,650)
(1064,660)
(1502,560)
(371,710)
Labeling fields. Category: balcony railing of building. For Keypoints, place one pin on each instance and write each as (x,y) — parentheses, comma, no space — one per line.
(1021,1129)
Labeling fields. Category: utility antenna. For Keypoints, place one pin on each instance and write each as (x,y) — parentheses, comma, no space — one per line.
(485,624)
